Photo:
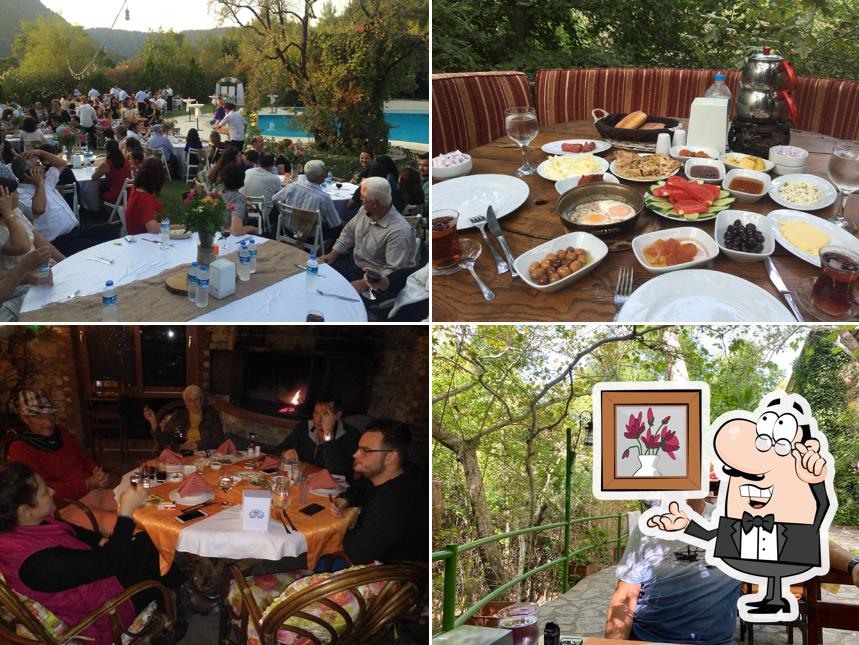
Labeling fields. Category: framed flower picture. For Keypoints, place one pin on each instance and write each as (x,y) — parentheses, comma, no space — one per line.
(649,438)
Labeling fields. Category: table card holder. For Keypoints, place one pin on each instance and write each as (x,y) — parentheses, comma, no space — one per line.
(256,510)
(708,123)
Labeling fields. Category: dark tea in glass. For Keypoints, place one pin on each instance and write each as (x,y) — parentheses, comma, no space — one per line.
(522,619)
(833,290)
(446,248)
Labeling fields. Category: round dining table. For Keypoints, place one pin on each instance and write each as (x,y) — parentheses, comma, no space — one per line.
(89,196)
(286,301)
(456,297)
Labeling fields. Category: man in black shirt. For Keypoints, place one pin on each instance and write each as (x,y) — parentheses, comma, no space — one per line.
(393,496)
(325,441)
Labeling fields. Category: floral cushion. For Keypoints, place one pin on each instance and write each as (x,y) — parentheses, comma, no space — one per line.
(264,589)
(345,599)
(42,614)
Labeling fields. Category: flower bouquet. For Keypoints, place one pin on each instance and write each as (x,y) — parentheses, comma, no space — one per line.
(205,214)
(104,125)
(168,124)
(649,443)
(68,137)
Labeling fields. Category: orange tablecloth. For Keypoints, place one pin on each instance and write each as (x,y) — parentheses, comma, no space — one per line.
(323,532)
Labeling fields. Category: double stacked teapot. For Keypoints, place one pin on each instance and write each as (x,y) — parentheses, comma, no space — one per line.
(766,82)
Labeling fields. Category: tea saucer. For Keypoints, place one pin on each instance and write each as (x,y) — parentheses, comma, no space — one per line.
(470,249)
(802,294)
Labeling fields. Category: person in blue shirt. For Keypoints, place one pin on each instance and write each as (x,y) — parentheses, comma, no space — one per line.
(666,592)
(158,140)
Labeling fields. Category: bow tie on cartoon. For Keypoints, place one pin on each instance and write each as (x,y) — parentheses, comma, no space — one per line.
(751,521)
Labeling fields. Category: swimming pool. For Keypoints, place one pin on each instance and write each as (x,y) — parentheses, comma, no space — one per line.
(405,126)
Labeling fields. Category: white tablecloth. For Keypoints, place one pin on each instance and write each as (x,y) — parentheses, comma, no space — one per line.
(341,196)
(88,193)
(284,301)
(179,150)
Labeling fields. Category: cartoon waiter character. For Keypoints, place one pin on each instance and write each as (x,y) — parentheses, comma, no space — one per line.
(776,501)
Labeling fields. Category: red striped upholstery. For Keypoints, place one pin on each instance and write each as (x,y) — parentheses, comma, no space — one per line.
(825,105)
(468,108)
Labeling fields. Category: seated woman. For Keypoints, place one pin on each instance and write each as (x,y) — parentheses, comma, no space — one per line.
(410,187)
(72,571)
(30,134)
(216,147)
(116,168)
(49,449)
(365,158)
(129,112)
(233,178)
(283,167)
(135,161)
(144,208)
(219,113)
(192,142)
(199,422)
(230,155)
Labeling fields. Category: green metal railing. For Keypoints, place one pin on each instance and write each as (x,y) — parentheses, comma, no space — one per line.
(451,554)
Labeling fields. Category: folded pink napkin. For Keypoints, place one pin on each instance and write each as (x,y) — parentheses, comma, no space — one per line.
(227,448)
(194,485)
(269,462)
(323,479)
(167,456)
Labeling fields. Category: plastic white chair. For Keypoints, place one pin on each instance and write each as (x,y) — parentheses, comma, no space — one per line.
(189,167)
(258,210)
(296,225)
(117,213)
(158,153)
(71,189)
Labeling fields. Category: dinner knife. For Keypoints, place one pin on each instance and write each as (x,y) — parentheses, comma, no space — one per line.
(286,515)
(779,284)
(492,223)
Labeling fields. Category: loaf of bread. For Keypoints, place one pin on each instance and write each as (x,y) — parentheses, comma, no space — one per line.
(632,121)
(652,126)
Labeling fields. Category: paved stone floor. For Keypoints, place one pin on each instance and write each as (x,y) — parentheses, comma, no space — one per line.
(582,610)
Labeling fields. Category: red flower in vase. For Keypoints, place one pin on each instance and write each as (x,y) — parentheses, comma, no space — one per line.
(634,428)
(669,442)
(651,440)
(650,416)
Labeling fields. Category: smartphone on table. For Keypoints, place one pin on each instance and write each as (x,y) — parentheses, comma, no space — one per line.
(190,515)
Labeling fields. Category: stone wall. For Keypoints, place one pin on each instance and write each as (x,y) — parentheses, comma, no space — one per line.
(42,359)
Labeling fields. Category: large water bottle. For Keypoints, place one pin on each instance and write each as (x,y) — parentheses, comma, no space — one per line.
(252,246)
(108,302)
(718,90)
(192,282)
(329,181)
(202,295)
(165,233)
(244,268)
(311,274)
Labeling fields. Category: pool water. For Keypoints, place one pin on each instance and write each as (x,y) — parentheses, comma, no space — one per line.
(405,126)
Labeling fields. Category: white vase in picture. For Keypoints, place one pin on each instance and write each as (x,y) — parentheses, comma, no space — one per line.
(648,466)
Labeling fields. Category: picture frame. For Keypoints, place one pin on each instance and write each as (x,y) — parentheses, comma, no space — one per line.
(649,439)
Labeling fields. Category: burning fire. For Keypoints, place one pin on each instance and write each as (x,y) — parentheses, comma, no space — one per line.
(292,402)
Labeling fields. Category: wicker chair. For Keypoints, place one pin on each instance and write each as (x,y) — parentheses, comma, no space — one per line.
(398,593)
(23,621)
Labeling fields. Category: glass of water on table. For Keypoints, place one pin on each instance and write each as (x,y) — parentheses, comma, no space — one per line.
(522,127)
(844,173)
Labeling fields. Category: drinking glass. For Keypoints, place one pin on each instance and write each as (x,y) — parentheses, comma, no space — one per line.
(136,478)
(225,483)
(844,173)
(522,127)
(280,492)
(832,292)
(287,468)
(446,247)
(522,619)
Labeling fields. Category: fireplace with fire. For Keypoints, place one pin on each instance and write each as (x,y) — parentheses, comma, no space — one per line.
(287,384)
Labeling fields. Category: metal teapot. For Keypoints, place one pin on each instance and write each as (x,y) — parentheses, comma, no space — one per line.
(761,105)
(768,72)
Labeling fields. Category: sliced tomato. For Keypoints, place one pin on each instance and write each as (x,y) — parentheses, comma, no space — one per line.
(700,193)
(674,180)
(662,191)
(678,193)
(690,206)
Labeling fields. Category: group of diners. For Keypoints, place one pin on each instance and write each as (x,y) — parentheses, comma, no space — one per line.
(47,553)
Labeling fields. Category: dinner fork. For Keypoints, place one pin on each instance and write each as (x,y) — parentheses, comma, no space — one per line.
(480,222)
(623,289)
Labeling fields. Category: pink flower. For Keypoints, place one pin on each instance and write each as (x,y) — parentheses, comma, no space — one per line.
(665,420)
(651,440)
(634,428)
(187,199)
(231,208)
(669,441)
(650,416)
(213,194)
(625,454)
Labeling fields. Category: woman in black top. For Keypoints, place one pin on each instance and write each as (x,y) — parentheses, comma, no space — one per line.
(192,142)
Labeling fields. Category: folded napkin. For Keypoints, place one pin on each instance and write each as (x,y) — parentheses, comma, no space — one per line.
(194,485)
(167,456)
(323,479)
(227,448)
(269,462)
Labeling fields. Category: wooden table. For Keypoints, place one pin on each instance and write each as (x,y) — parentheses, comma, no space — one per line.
(457,298)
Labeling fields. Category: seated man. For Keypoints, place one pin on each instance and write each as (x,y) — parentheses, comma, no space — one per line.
(392,494)
(263,182)
(157,140)
(378,237)
(49,449)
(45,207)
(199,422)
(307,193)
(325,441)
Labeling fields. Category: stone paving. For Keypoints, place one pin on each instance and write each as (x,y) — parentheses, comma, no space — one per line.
(582,610)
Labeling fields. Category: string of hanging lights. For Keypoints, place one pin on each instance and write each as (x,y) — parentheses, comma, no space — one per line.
(79,75)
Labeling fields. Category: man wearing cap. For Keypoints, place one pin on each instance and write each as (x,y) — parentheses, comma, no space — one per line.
(158,140)
(49,449)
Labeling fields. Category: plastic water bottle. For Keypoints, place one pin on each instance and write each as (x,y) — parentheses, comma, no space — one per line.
(202,295)
(718,90)
(329,181)
(165,233)
(192,282)
(311,274)
(244,268)
(108,302)
(252,246)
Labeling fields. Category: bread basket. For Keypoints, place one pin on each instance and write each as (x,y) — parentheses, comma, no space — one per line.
(605,123)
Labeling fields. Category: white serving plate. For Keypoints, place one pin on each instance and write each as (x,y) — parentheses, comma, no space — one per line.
(649,180)
(700,295)
(837,235)
(563,185)
(827,190)
(596,248)
(711,249)
(768,165)
(675,150)
(541,169)
(728,217)
(190,501)
(470,196)
(554,147)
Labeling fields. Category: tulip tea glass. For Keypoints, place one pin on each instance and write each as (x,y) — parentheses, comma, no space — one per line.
(446,247)
(833,290)
(225,483)
(522,127)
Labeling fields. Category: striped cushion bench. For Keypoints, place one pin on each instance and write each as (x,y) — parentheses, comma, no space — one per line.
(468,108)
